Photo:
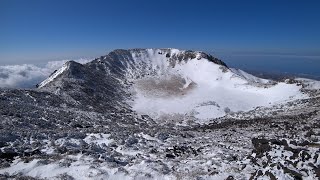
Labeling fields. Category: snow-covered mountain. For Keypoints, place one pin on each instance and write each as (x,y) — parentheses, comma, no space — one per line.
(160,113)
(173,82)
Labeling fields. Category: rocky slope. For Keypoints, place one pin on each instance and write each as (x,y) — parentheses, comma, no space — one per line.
(101,120)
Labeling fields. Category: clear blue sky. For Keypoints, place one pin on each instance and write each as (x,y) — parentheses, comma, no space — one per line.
(42,30)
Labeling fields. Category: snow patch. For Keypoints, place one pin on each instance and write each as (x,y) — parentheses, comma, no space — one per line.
(81,167)
(98,139)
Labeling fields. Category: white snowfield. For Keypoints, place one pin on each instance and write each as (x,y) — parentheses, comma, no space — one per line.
(208,91)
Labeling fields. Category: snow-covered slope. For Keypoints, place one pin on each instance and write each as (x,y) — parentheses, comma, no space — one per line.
(250,78)
(54,75)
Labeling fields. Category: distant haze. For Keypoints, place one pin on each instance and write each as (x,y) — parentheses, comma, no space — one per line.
(284,64)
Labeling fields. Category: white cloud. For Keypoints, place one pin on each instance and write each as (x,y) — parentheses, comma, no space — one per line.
(28,75)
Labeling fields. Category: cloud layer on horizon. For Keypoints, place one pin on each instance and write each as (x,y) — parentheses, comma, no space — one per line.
(28,75)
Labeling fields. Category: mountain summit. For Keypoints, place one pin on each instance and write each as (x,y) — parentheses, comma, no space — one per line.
(120,60)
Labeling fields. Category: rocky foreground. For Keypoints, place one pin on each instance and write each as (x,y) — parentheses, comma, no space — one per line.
(76,128)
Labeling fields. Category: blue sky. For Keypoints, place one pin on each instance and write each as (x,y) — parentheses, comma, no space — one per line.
(42,30)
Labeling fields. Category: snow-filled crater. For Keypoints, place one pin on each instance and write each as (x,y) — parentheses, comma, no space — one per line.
(164,87)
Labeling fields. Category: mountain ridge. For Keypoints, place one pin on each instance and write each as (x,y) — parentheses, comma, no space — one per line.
(116,57)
